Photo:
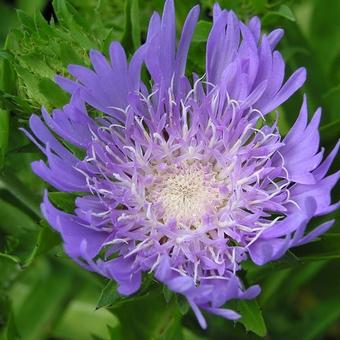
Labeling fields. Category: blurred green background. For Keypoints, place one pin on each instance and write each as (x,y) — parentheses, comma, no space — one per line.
(43,295)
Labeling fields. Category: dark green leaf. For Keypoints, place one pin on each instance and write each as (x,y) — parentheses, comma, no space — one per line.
(131,37)
(4,133)
(316,321)
(63,200)
(327,247)
(20,191)
(149,318)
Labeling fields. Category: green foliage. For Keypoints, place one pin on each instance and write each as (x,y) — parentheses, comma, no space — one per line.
(42,294)
(252,318)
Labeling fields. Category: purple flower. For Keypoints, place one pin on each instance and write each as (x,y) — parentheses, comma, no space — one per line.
(183,177)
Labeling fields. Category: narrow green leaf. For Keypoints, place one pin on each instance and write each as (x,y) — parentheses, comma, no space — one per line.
(330,131)
(4,134)
(326,247)
(9,330)
(316,321)
(20,191)
(131,37)
(50,295)
(135,23)
(13,220)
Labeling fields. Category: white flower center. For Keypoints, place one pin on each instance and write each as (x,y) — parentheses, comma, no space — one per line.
(186,192)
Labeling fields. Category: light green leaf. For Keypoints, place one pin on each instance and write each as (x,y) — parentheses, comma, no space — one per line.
(49,296)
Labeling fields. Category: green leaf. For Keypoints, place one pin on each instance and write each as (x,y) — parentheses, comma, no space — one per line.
(325,248)
(252,318)
(257,273)
(135,23)
(9,331)
(46,240)
(47,298)
(284,11)
(19,190)
(13,219)
(131,37)
(26,20)
(52,92)
(4,134)
(63,200)
(330,132)
(182,304)
(9,267)
(167,293)
(149,318)
(202,31)
(94,324)
(316,321)
(67,15)
(109,295)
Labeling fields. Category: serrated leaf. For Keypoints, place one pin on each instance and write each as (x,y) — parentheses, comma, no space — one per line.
(251,317)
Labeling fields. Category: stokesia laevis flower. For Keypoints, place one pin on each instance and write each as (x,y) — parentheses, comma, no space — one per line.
(183,177)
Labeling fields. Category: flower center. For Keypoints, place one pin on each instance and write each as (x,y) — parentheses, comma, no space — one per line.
(185,193)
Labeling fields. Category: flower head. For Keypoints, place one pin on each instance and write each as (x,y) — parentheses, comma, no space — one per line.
(185,178)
